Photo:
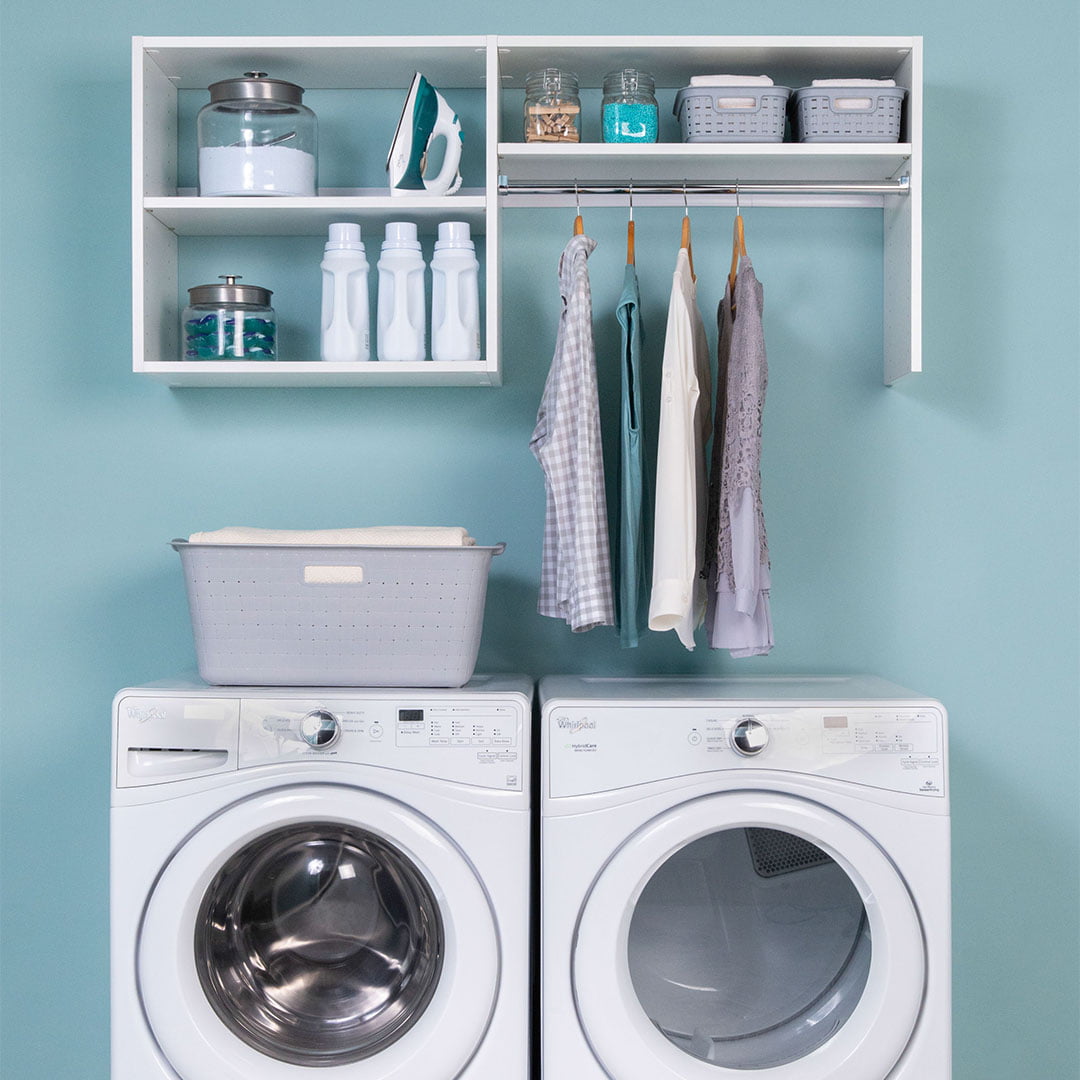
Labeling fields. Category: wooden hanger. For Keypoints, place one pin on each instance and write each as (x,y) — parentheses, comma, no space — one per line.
(630,230)
(685,242)
(579,225)
(738,243)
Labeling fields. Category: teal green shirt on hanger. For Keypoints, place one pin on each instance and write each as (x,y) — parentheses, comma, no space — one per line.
(633,593)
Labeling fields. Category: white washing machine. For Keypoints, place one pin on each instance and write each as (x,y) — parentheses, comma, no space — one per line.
(743,878)
(316,884)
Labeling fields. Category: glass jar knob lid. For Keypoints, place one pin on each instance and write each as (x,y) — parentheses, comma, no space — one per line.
(256,86)
(230,293)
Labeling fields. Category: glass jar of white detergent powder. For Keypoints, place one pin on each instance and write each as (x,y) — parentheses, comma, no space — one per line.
(256,137)
(229,322)
(629,112)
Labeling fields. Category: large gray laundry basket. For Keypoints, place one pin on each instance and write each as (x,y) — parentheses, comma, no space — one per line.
(284,615)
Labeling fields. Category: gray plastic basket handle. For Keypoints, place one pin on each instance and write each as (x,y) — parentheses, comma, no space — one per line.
(333,575)
(756,107)
(836,107)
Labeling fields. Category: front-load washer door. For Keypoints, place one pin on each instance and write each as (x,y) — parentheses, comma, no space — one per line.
(752,935)
(318,930)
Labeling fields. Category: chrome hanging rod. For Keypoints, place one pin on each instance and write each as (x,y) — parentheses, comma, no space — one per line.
(899,186)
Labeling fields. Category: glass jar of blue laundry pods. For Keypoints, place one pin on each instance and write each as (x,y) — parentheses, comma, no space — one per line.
(229,322)
(629,111)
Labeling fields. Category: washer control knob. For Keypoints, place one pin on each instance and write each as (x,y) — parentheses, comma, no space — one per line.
(320,729)
(749,736)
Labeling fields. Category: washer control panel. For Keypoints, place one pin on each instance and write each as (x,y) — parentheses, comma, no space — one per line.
(602,746)
(469,738)
(477,736)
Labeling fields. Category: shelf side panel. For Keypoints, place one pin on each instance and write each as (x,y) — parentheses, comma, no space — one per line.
(156,334)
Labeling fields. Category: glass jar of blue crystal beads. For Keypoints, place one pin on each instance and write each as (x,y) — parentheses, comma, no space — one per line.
(629,113)
(229,322)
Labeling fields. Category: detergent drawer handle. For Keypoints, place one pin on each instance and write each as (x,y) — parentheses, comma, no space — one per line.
(168,761)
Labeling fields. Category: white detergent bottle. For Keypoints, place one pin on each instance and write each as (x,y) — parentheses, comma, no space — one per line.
(346,318)
(401,295)
(455,295)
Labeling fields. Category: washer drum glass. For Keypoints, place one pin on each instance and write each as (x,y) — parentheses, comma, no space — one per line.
(749,948)
(319,944)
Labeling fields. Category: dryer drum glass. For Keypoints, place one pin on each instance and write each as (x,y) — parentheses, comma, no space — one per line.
(749,948)
(319,944)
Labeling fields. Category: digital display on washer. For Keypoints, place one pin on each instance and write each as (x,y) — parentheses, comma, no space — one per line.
(410,716)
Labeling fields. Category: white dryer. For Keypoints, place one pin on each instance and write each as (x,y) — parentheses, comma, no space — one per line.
(317,884)
(744,878)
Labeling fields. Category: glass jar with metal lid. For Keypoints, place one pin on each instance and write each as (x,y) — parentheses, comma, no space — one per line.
(629,112)
(552,106)
(229,322)
(256,137)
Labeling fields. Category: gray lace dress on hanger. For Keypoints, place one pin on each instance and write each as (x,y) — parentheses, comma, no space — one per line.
(739,579)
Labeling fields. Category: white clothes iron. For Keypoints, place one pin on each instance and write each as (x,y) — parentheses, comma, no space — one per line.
(426,116)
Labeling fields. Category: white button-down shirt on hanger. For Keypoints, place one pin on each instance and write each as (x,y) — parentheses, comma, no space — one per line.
(677,601)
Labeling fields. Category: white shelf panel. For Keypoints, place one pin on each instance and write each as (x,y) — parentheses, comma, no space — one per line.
(660,162)
(332,63)
(790,61)
(255,216)
(317,373)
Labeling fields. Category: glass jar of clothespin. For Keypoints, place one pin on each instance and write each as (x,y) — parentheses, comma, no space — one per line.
(552,106)
(629,112)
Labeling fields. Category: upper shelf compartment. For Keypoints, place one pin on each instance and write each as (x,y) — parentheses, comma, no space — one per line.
(791,62)
(356,87)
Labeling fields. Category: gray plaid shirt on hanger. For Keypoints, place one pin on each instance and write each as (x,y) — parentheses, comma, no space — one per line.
(575,576)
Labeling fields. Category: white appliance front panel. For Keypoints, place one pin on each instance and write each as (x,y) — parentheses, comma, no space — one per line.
(603,747)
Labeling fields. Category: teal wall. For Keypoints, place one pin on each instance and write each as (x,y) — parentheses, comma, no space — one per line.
(926,532)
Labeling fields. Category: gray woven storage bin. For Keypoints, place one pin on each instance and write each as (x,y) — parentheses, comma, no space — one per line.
(818,113)
(385,616)
(717,113)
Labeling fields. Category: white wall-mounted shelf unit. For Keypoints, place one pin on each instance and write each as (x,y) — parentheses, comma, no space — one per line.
(512,173)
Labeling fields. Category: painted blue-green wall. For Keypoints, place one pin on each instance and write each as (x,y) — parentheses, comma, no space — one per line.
(926,532)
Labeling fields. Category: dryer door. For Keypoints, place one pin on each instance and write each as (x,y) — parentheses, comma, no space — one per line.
(318,930)
(752,935)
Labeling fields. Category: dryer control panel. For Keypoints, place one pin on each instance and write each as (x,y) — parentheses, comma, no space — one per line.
(594,747)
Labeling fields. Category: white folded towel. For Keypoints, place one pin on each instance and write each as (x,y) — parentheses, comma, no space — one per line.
(379,535)
(730,80)
(854,82)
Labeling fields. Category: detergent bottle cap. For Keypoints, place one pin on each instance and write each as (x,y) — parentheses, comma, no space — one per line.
(454,234)
(344,236)
(401,234)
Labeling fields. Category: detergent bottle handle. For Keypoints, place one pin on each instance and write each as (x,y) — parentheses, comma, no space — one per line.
(449,127)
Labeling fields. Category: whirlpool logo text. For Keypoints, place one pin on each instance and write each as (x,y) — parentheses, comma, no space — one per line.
(574,726)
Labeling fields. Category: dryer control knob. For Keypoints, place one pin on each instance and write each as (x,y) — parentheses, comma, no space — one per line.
(749,736)
(320,729)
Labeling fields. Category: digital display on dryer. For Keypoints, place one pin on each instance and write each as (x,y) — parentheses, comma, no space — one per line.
(410,716)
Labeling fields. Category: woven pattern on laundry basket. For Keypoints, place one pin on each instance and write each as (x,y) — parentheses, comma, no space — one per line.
(408,616)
